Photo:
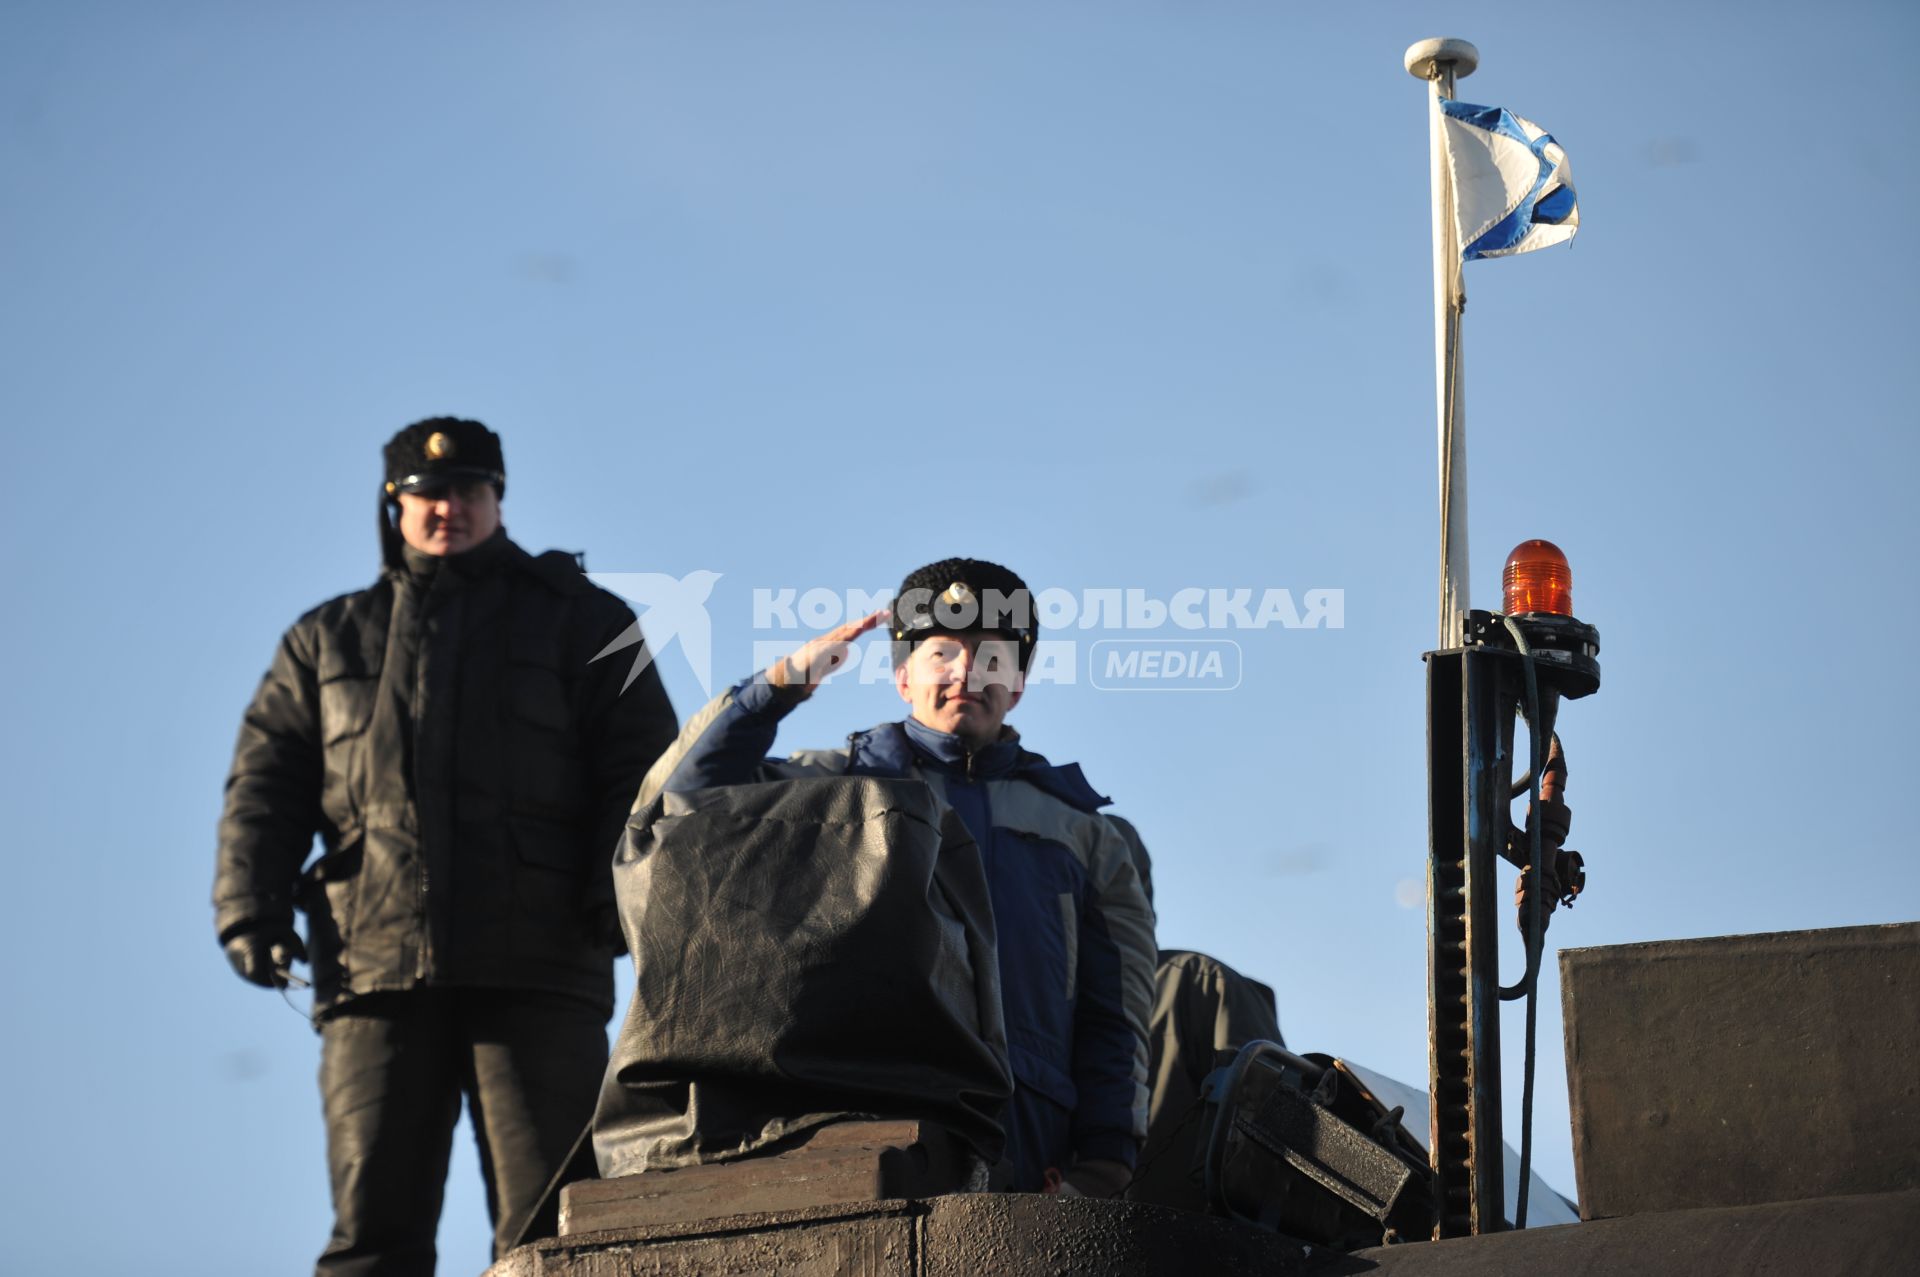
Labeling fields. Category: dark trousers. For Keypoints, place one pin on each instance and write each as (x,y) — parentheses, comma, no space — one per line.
(392,1070)
(1201,1007)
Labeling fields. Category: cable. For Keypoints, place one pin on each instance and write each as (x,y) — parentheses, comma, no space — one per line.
(290,981)
(1528,986)
(1452,608)
(1525,778)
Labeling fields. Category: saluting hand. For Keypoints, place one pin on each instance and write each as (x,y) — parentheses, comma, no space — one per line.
(819,657)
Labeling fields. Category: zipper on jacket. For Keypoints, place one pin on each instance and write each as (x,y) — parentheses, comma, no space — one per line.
(423,963)
(986,808)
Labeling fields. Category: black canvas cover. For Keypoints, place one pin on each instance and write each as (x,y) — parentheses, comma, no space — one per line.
(804,951)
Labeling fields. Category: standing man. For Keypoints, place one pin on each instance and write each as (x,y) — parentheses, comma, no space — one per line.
(468,767)
(1075,929)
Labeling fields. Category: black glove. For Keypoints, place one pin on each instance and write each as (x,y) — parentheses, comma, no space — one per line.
(261,954)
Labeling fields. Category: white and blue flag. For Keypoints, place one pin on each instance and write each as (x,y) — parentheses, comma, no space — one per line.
(1512,191)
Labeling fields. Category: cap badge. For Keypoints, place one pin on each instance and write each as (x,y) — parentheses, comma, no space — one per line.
(439,447)
(958,595)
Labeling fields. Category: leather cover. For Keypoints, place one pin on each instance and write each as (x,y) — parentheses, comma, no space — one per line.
(804,951)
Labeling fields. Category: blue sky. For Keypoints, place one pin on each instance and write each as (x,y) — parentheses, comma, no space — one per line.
(1127,295)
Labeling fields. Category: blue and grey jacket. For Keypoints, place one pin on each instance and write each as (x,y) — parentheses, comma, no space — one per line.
(1075,929)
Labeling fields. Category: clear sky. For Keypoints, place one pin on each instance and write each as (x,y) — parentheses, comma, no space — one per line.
(1126,295)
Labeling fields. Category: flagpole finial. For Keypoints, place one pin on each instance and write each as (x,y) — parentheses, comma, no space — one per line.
(1423,59)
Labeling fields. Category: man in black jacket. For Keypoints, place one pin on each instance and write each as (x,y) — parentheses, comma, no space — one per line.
(468,765)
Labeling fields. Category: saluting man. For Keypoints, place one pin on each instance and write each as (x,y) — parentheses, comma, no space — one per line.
(468,767)
(1076,945)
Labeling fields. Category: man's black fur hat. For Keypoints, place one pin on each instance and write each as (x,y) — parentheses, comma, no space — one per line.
(444,450)
(960,596)
(433,454)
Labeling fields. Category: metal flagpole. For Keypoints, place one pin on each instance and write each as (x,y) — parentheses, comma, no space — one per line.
(1464,744)
(1439,62)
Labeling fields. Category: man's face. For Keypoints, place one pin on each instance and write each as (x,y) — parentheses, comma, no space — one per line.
(962,684)
(451,520)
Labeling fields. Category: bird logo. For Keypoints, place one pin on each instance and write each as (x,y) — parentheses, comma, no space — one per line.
(672,609)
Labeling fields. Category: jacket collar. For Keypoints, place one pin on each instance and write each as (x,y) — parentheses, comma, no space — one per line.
(489,556)
(947,749)
(895,749)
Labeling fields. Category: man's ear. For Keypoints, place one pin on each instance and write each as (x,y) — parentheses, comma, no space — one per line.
(900,681)
(1019,689)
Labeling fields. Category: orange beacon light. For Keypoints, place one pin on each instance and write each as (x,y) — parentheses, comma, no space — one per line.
(1538,579)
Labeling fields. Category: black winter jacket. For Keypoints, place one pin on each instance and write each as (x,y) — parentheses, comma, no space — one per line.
(468,767)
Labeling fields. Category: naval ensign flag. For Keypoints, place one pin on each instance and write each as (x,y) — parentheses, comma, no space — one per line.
(1501,186)
(1512,191)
